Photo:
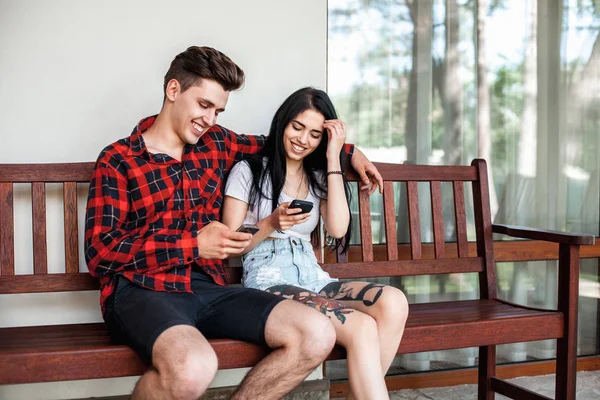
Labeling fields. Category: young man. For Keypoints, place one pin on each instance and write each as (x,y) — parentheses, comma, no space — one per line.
(154,241)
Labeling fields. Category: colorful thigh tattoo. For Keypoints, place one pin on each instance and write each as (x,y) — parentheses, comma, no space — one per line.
(313,300)
(369,294)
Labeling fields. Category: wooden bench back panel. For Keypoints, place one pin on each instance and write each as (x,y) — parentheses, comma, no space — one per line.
(71,228)
(40,250)
(7,233)
(438,218)
(71,174)
(389,218)
(483,229)
(414,222)
(461,219)
(445,262)
(38,175)
(366,235)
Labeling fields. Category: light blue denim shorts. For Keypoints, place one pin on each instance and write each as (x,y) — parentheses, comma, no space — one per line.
(289,261)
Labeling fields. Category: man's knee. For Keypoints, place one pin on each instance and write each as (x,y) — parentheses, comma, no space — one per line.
(191,376)
(295,326)
(194,377)
(318,338)
(186,363)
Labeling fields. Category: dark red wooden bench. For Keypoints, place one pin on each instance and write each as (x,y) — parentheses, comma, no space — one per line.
(84,351)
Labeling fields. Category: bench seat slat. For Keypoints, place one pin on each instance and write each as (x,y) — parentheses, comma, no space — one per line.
(25,351)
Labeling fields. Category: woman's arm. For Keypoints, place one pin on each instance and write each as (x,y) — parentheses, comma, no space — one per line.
(335,216)
(234,213)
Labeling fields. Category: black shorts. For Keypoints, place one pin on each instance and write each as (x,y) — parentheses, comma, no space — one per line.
(136,316)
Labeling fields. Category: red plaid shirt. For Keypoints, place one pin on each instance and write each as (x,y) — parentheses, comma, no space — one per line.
(144,210)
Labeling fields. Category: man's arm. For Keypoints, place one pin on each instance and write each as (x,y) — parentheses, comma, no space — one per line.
(369,175)
(239,146)
(110,247)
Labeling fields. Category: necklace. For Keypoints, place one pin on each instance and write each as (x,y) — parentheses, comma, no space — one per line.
(299,186)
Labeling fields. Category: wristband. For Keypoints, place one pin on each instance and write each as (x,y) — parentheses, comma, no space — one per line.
(334,172)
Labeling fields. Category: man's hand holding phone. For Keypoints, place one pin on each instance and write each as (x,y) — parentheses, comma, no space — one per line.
(217,241)
(248,228)
(285,216)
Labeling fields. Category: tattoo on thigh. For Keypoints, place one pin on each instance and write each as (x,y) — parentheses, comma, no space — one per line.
(369,294)
(313,300)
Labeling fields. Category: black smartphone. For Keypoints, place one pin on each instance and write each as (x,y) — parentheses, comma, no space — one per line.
(248,228)
(306,206)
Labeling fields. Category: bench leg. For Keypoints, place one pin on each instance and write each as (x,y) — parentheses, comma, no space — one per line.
(566,348)
(487,369)
(566,369)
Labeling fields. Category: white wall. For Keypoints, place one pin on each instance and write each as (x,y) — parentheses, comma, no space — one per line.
(76,75)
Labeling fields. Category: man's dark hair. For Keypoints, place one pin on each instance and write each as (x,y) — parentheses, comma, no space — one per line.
(197,63)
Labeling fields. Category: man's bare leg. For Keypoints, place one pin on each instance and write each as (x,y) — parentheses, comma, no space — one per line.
(301,338)
(183,366)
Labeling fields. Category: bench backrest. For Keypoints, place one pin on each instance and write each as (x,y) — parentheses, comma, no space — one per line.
(446,258)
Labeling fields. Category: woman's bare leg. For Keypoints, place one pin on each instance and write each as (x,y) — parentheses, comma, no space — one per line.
(357,332)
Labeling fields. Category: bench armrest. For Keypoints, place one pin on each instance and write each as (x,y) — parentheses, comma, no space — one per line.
(544,234)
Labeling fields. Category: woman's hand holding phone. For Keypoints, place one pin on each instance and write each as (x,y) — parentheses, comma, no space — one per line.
(284,217)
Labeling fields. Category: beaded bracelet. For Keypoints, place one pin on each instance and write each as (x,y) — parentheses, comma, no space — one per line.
(334,172)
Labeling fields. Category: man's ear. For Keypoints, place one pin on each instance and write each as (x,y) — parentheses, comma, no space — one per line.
(172,90)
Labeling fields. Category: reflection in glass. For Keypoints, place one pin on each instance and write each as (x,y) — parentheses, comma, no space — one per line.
(516,82)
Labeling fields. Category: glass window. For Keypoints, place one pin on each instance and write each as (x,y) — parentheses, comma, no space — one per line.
(516,82)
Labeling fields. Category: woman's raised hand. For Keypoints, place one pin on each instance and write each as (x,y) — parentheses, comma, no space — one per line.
(284,218)
(336,131)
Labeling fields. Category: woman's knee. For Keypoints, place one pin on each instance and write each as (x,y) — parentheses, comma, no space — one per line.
(392,303)
(360,328)
(391,307)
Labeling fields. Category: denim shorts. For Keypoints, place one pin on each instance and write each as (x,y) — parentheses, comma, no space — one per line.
(289,261)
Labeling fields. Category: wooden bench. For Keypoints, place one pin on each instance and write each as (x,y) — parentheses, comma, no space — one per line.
(84,351)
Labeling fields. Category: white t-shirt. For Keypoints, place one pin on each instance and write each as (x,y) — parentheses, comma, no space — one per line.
(238,186)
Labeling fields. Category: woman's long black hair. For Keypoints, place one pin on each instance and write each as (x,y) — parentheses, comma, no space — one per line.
(275,167)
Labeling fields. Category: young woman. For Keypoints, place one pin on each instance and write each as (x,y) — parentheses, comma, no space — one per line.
(302,160)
